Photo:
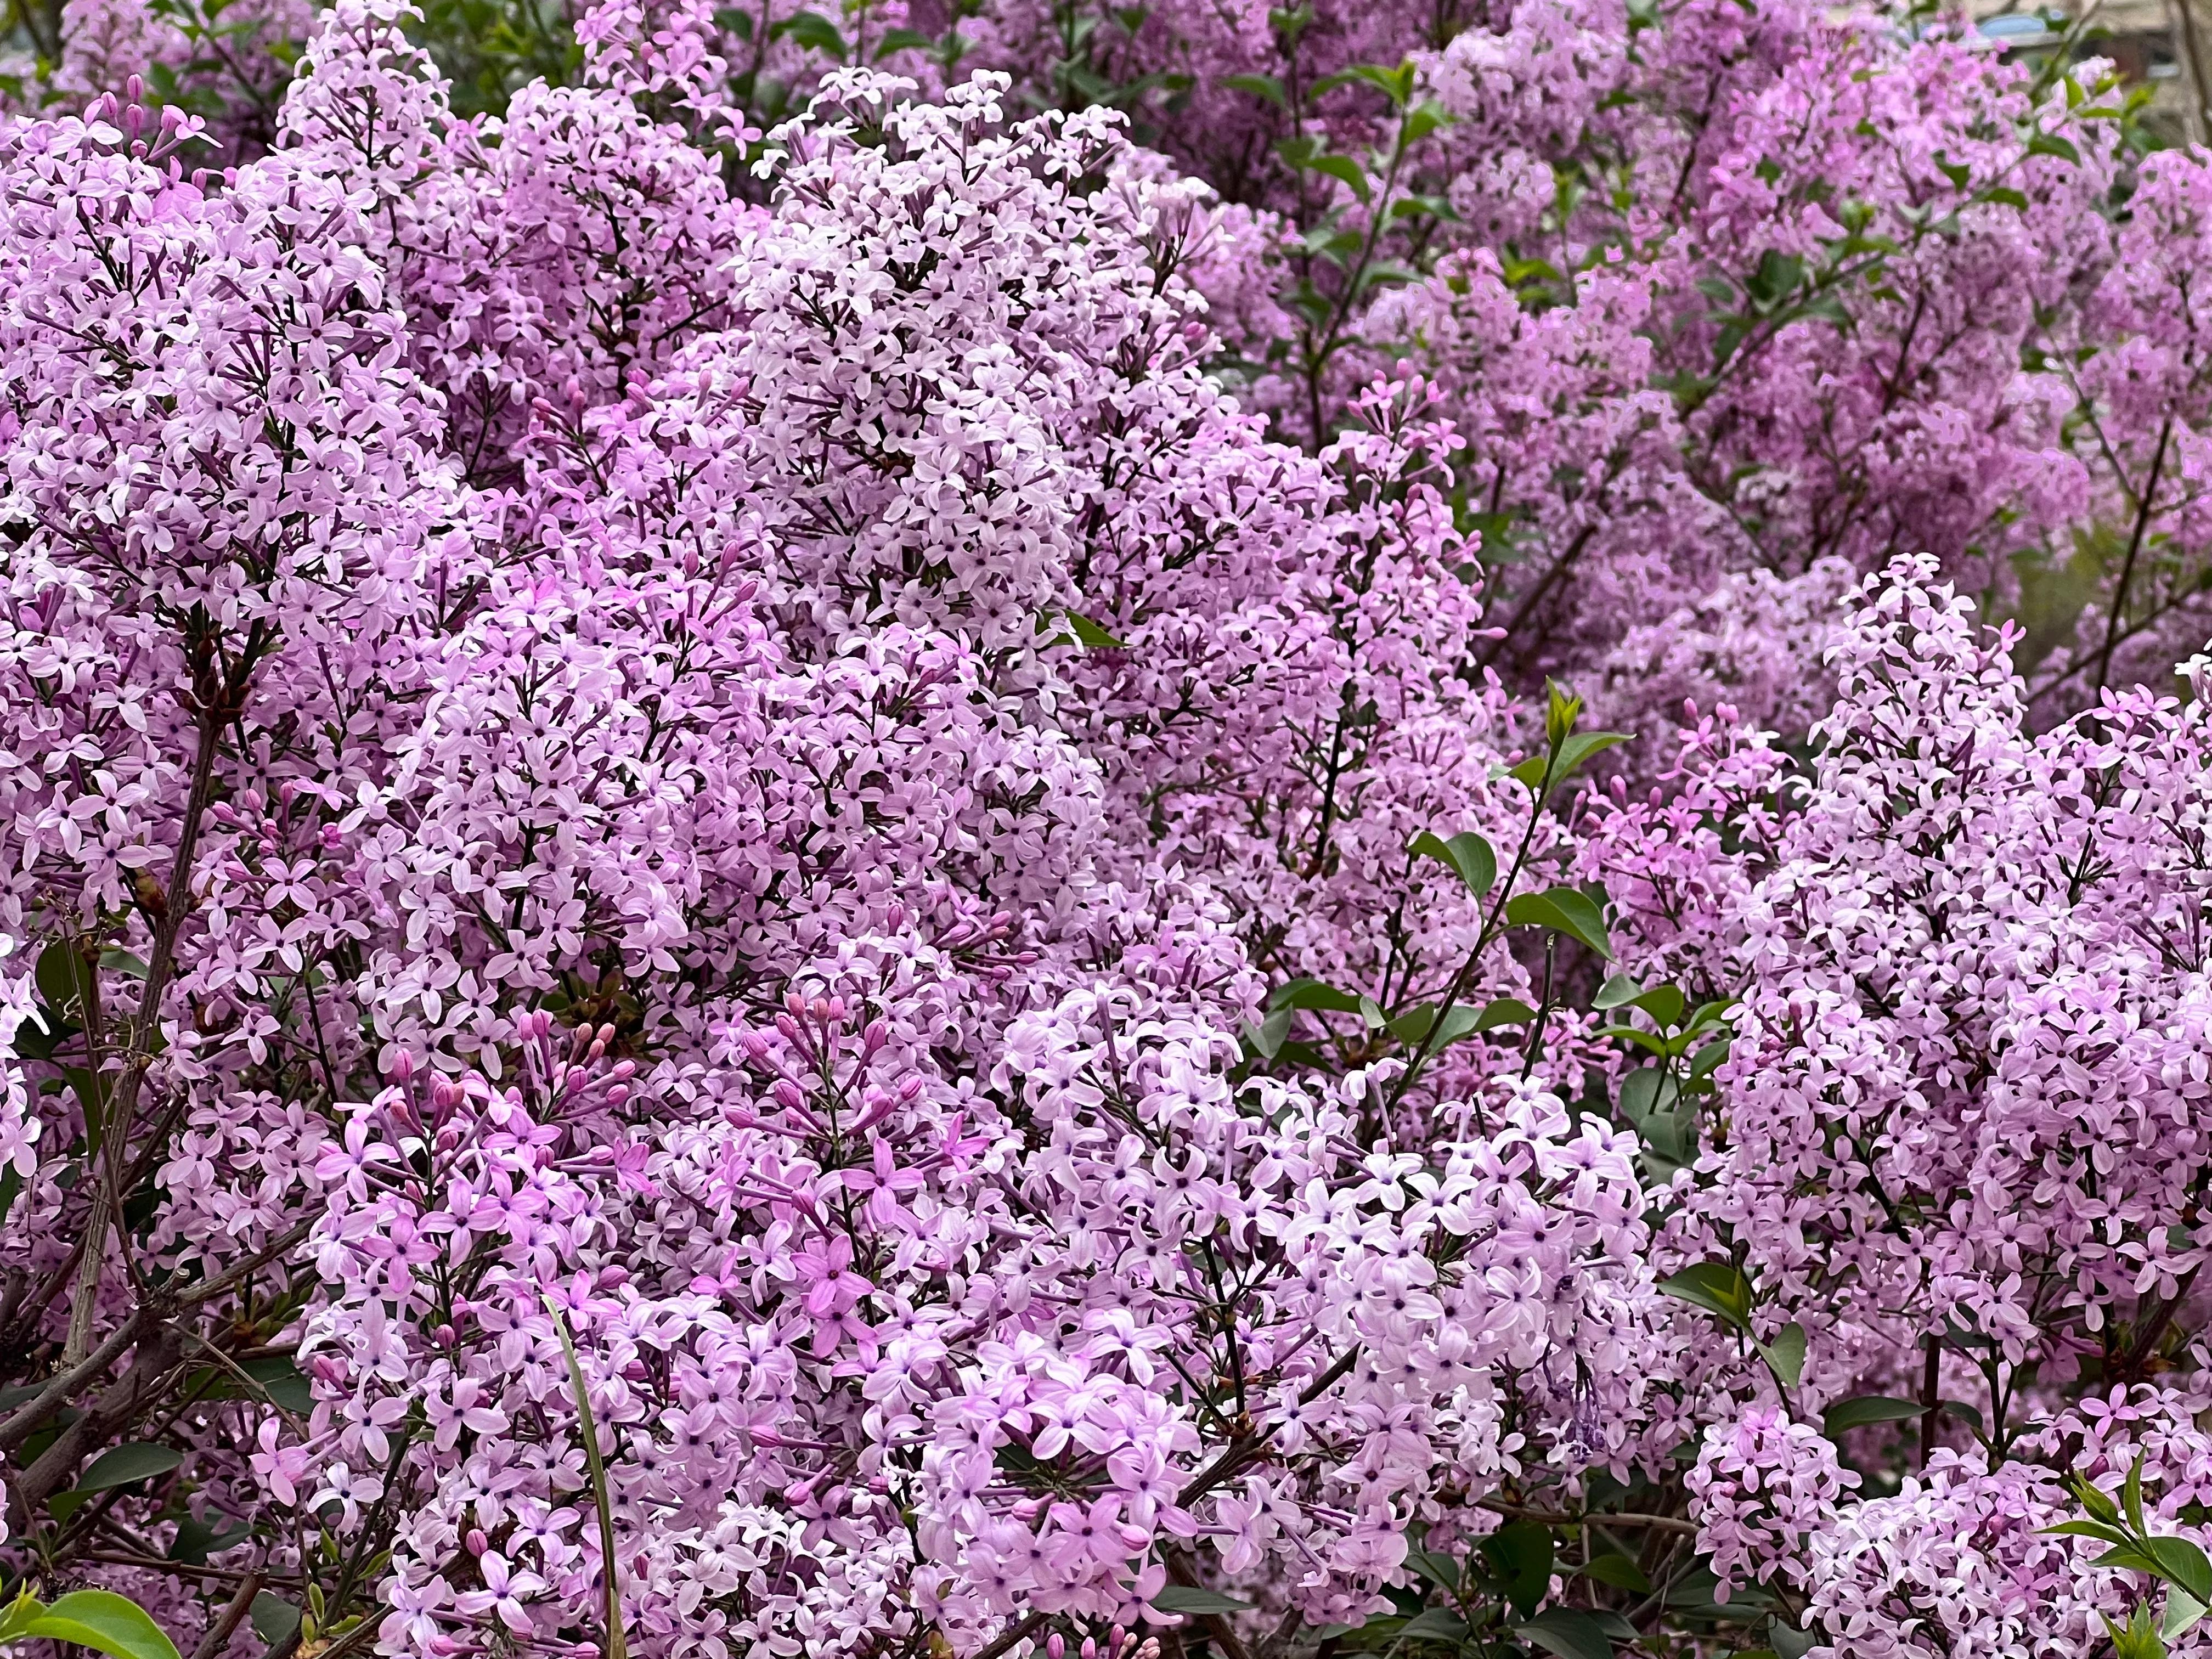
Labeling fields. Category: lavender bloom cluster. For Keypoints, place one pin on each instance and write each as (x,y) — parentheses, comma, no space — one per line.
(793,859)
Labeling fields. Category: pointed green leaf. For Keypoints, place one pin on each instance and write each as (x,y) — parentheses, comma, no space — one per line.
(1074,625)
(1637,1035)
(1785,1355)
(1566,910)
(119,1465)
(1569,1633)
(1183,1598)
(104,1621)
(1520,1552)
(1719,1287)
(274,1618)
(1504,1011)
(1440,1569)
(1617,1571)
(1617,992)
(1433,1625)
(1467,854)
(1868,1408)
(1311,994)
(2183,1610)
(17,1616)
(2183,1565)
(2096,1529)
(1267,1038)
(2095,1499)
(1579,748)
(1347,171)
(1260,85)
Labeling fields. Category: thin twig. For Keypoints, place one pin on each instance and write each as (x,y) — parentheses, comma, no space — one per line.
(220,1632)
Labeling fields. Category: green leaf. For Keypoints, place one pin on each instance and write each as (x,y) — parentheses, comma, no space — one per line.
(812,28)
(1777,278)
(1790,1641)
(91,1090)
(120,1466)
(1617,1572)
(1074,624)
(1617,992)
(2050,143)
(104,1621)
(196,1540)
(1970,1415)
(1580,747)
(1467,854)
(2094,1500)
(1520,1552)
(1182,1598)
(18,1614)
(1504,1011)
(2182,1564)
(1636,1034)
(2183,1610)
(1567,1631)
(1664,1003)
(64,978)
(274,1618)
(1433,1625)
(1424,119)
(1785,1355)
(1719,1287)
(282,1382)
(1412,1025)
(1563,910)
(1708,1059)
(1312,995)
(1395,84)
(1267,1038)
(1562,708)
(2097,1530)
(2131,1497)
(901,40)
(1440,1569)
(1644,1091)
(2126,1557)
(1530,771)
(2138,1638)
(1861,1410)
(2006,195)
(616,1645)
(1260,85)
(1344,168)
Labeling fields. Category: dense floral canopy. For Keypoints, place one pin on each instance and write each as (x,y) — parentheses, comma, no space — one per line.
(792,859)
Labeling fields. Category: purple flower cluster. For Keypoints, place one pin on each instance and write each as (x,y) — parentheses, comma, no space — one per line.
(792,858)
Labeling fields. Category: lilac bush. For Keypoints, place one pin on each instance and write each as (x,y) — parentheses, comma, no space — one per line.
(990,828)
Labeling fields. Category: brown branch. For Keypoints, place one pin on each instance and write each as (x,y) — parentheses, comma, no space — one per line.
(219,1634)
(167,911)
(26,1421)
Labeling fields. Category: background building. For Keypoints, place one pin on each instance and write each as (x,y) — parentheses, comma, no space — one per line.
(2167,44)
